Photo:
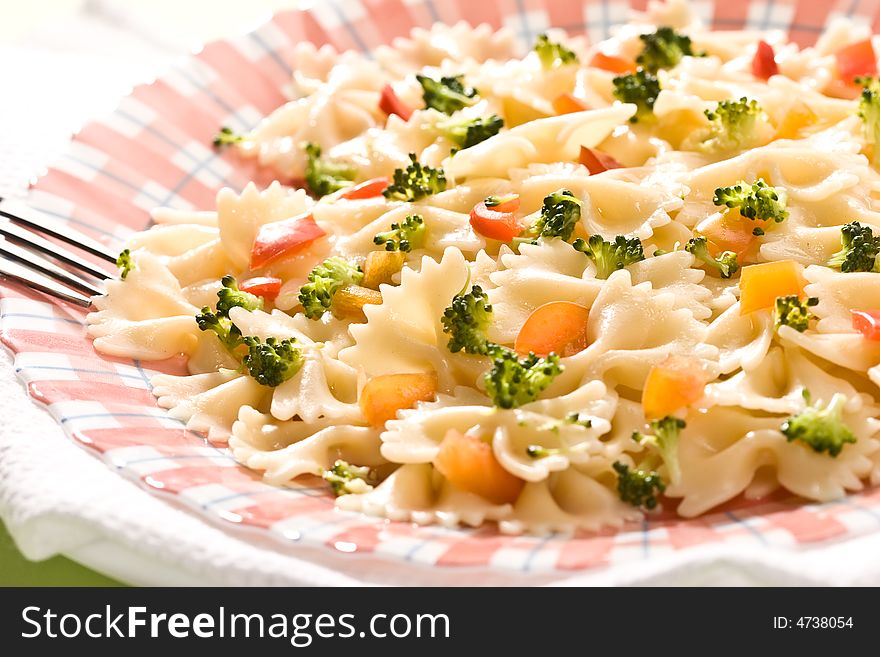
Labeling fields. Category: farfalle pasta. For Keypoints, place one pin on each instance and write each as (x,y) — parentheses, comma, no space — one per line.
(554,290)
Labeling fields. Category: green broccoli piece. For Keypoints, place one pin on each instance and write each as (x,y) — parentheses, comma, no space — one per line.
(725,263)
(226,137)
(272,362)
(540,452)
(553,55)
(640,88)
(791,311)
(447,95)
(515,381)
(466,322)
(611,256)
(860,249)
(404,236)
(665,440)
(470,132)
(664,49)
(575,418)
(560,213)
(638,487)
(734,124)
(756,201)
(347,479)
(869,112)
(821,428)
(325,176)
(229,296)
(325,280)
(125,263)
(415,182)
(221,326)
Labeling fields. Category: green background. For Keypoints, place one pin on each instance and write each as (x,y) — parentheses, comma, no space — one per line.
(15,570)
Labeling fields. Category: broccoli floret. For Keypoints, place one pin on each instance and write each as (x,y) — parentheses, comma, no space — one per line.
(272,362)
(860,249)
(663,49)
(640,88)
(347,479)
(470,132)
(560,213)
(665,440)
(791,311)
(725,263)
(125,263)
(466,322)
(553,55)
(226,137)
(447,95)
(638,487)
(325,280)
(734,125)
(229,296)
(869,112)
(403,236)
(611,256)
(822,428)
(415,182)
(515,381)
(756,201)
(222,326)
(325,176)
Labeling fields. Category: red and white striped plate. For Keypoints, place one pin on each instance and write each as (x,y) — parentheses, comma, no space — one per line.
(155,149)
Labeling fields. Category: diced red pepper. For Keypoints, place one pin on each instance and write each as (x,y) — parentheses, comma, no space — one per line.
(867,322)
(283,238)
(613,63)
(764,61)
(597,161)
(568,104)
(390,103)
(267,287)
(497,222)
(856,60)
(366,189)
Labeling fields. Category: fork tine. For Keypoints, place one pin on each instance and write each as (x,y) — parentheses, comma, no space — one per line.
(25,216)
(26,238)
(37,281)
(34,261)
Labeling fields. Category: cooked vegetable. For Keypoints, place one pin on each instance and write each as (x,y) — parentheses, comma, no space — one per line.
(470,132)
(386,394)
(734,125)
(324,176)
(794,312)
(568,104)
(869,112)
(229,296)
(125,263)
(867,322)
(415,182)
(515,381)
(404,236)
(820,427)
(226,137)
(597,161)
(856,60)
(466,321)
(640,88)
(390,103)
(495,218)
(349,301)
(347,479)
(468,463)
(556,327)
(267,287)
(756,201)
(611,256)
(552,54)
(727,231)
(638,487)
(764,62)
(664,440)
(367,189)
(540,452)
(446,95)
(272,362)
(796,119)
(560,213)
(613,63)
(675,383)
(664,48)
(324,281)
(725,263)
(284,238)
(760,285)
(227,332)
(860,249)
(380,267)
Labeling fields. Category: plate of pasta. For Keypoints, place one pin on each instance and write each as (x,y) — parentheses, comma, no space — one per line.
(539,287)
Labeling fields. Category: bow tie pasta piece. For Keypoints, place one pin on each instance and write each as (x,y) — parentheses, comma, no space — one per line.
(742,340)
(849,350)
(674,272)
(838,294)
(191,252)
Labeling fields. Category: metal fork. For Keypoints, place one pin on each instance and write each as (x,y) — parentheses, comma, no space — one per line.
(26,256)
